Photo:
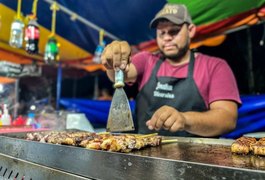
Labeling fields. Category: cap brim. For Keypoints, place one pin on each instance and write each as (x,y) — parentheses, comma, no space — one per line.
(170,18)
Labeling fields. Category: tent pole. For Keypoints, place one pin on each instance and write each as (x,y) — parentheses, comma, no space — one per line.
(83,20)
(74,87)
(16,98)
(242,27)
(96,89)
(59,83)
(251,80)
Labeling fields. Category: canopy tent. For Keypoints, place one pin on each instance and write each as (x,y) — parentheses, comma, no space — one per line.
(125,20)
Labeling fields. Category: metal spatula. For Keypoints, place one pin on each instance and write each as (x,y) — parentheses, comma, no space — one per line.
(120,115)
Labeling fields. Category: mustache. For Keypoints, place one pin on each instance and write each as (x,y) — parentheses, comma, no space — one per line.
(179,55)
(170,44)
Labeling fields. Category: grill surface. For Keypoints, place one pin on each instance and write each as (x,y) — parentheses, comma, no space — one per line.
(190,158)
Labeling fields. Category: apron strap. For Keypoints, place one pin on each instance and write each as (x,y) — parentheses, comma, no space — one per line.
(157,66)
(190,70)
(191,65)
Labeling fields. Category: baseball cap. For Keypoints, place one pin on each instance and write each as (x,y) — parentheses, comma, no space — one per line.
(176,13)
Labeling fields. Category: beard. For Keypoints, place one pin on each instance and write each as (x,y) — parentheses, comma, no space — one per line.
(175,57)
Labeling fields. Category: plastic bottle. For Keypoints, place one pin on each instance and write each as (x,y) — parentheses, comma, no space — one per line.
(98,52)
(32,35)
(6,119)
(0,118)
(30,119)
(16,34)
(51,53)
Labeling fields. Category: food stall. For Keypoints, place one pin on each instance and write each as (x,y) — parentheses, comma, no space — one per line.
(184,158)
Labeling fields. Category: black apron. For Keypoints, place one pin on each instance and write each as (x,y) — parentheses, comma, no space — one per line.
(180,93)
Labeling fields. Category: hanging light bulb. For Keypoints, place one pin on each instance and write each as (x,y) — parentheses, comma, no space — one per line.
(16,35)
(32,35)
(51,53)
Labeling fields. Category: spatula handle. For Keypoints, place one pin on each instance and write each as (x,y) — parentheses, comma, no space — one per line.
(119,79)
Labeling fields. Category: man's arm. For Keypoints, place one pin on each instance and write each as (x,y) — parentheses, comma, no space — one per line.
(220,119)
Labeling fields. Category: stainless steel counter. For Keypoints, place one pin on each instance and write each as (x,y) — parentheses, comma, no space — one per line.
(190,158)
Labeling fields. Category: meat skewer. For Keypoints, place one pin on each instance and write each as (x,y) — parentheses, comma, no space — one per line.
(99,141)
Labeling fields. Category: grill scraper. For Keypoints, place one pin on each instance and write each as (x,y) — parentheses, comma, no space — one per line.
(120,115)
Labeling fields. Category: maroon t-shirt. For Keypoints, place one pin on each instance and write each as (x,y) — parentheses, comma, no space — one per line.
(213,76)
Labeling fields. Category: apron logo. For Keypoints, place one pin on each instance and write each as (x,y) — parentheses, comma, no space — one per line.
(164,87)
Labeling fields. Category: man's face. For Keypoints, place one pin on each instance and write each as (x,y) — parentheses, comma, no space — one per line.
(173,40)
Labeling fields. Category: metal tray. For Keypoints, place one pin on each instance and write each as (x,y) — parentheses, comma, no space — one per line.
(189,158)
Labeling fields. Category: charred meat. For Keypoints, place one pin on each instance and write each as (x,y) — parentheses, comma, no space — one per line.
(107,142)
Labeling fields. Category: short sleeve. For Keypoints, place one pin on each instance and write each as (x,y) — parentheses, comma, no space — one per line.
(139,61)
(223,84)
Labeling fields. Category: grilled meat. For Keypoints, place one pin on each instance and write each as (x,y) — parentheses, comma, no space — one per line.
(36,136)
(242,145)
(258,147)
(121,143)
(108,142)
(257,161)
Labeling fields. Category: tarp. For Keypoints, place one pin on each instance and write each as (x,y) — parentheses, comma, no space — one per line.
(251,115)
(96,111)
(127,20)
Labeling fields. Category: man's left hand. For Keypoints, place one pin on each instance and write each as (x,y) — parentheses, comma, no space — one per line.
(168,118)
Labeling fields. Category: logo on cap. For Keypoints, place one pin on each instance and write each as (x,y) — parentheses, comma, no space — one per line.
(168,10)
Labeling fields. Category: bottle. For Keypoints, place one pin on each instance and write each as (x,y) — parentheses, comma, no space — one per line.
(30,119)
(16,34)
(32,35)
(98,52)
(5,118)
(51,53)
(1,118)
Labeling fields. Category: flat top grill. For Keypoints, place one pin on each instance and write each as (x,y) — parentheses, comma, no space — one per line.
(196,156)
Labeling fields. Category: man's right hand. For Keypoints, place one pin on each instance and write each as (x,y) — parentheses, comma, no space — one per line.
(116,55)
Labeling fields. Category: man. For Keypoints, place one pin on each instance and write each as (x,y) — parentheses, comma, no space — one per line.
(181,93)
(105,95)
